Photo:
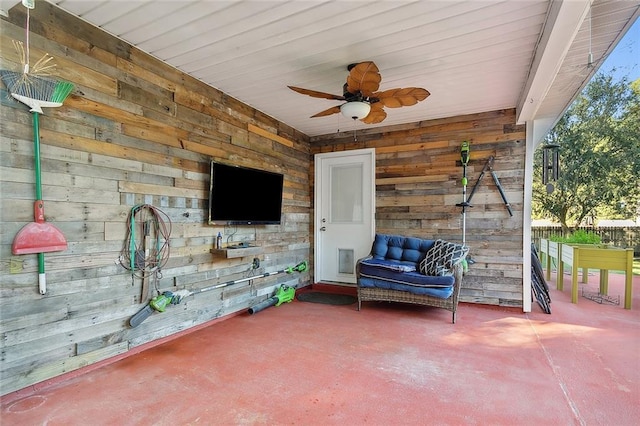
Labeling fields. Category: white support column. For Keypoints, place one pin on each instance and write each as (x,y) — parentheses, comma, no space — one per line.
(531,144)
(536,131)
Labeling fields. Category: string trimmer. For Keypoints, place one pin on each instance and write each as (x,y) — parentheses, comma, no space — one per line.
(464,159)
(161,301)
(465,155)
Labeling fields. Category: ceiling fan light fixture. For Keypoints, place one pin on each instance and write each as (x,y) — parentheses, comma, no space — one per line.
(360,92)
(355,110)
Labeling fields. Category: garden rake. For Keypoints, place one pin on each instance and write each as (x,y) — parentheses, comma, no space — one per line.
(32,89)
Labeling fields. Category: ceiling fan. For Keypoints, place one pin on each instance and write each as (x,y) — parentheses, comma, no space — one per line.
(363,101)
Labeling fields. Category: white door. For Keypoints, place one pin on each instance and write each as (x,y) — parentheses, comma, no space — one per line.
(344,213)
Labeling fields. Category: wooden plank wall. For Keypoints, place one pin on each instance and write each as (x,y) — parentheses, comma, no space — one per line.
(137,131)
(133,131)
(419,183)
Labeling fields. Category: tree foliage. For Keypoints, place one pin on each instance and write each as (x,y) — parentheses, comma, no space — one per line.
(599,149)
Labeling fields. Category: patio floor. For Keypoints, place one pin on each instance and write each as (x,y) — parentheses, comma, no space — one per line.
(389,364)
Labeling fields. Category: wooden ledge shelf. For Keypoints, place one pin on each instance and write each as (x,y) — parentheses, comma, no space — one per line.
(237,252)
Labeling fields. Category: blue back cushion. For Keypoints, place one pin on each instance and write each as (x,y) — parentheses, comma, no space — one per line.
(396,247)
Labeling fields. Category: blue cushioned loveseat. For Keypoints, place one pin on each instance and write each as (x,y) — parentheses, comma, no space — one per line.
(411,270)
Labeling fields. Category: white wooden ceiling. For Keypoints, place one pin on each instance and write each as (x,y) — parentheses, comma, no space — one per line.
(473,56)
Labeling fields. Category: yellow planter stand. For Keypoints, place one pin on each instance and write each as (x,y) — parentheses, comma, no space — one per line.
(603,258)
(588,256)
(551,251)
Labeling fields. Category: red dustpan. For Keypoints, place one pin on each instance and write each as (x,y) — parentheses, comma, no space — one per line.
(38,236)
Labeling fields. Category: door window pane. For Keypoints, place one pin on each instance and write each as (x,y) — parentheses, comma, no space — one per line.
(346,194)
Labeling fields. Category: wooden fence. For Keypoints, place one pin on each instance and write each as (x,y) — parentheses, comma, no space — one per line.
(619,236)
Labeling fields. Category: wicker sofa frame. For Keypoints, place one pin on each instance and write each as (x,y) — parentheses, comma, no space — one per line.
(387,295)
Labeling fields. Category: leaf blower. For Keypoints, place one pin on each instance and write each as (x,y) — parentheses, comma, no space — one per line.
(285,294)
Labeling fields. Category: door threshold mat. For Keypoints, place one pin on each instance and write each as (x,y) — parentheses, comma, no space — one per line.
(326,298)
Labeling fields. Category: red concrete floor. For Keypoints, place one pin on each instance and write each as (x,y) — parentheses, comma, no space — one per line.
(389,364)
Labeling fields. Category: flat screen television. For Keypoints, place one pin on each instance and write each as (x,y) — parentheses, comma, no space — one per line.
(244,196)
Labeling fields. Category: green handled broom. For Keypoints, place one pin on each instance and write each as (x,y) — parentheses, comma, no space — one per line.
(36,92)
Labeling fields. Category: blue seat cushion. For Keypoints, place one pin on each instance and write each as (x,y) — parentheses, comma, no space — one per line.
(392,265)
(375,282)
(374,273)
(396,247)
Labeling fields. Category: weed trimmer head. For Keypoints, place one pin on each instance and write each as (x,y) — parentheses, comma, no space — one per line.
(300,267)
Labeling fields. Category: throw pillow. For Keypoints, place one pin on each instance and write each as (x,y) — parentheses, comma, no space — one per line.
(441,258)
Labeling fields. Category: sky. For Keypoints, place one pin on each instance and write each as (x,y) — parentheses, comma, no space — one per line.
(626,55)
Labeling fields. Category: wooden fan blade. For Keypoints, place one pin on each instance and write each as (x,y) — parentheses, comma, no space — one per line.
(332,110)
(316,94)
(376,115)
(396,98)
(364,78)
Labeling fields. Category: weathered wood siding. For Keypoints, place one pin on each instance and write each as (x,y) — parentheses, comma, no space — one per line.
(134,131)
(419,183)
(137,131)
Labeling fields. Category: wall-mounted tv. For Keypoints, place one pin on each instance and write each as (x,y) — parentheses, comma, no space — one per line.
(244,196)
